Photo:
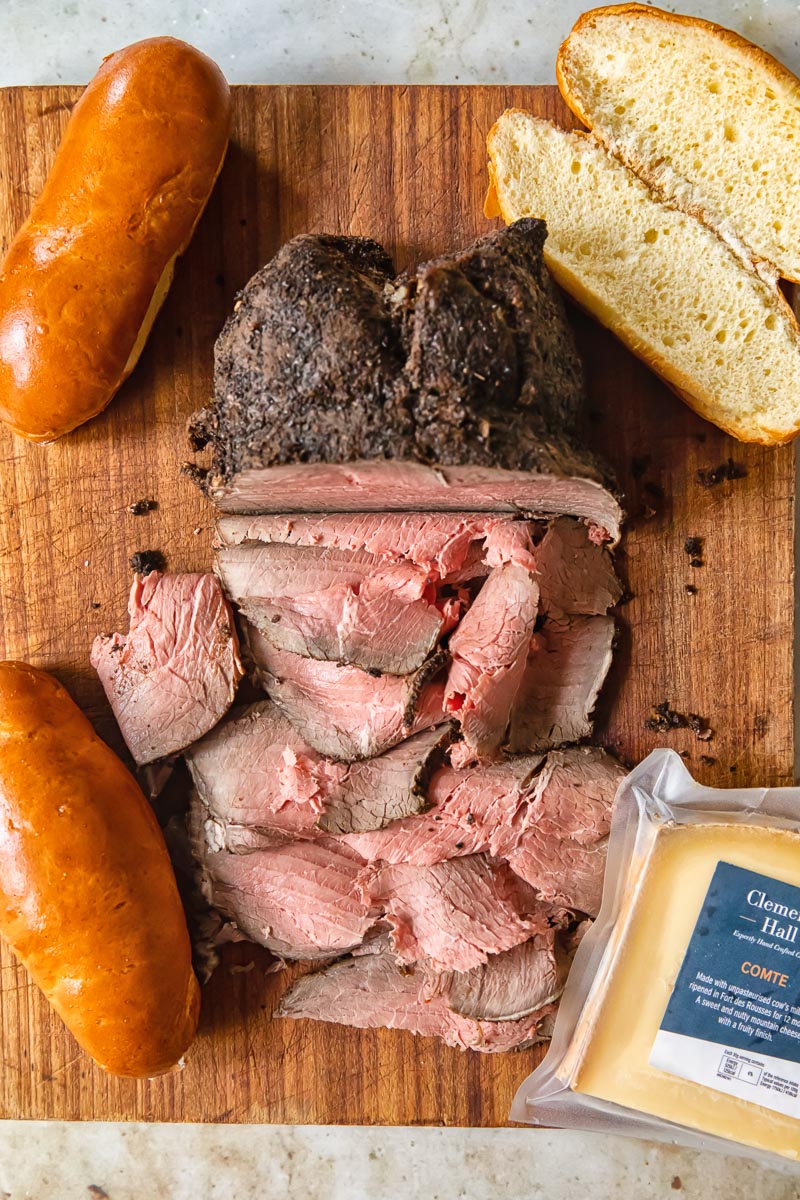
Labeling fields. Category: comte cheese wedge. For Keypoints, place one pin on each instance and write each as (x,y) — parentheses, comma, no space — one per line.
(681,1016)
(679,296)
(697,111)
(629,1058)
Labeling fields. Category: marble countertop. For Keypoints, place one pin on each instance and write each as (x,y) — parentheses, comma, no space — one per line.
(363,41)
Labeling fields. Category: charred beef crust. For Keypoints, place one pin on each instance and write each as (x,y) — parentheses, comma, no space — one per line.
(305,366)
(328,359)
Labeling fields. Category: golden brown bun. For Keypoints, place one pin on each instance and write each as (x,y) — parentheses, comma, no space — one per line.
(85,276)
(88,900)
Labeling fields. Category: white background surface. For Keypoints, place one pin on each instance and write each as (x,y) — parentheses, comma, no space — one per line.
(363,41)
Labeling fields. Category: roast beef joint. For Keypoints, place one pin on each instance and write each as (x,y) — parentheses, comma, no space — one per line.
(412,565)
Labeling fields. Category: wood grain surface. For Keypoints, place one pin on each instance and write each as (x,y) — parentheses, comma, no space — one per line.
(406,166)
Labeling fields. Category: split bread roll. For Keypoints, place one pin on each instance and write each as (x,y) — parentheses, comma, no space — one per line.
(85,276)
(698,112)
(88,899)
(666,284)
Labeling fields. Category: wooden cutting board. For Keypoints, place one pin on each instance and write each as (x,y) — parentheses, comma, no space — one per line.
(406,166)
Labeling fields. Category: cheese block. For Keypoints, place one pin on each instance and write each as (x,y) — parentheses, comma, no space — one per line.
(695,1015)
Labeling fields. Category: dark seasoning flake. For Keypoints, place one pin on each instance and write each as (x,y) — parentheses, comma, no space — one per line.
(665,719)
(145,561)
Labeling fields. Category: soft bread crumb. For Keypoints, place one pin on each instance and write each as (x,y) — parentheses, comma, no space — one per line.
(699,113)
(665,283)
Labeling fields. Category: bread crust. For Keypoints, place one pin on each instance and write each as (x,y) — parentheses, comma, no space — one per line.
(700,401)
(88,899)
(131,177)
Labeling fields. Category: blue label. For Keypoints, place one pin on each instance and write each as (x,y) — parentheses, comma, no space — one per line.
(739,983)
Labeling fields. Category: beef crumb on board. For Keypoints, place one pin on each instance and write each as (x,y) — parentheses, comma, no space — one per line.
(140,507)
(145,561)
(693,546)
(664,719)
(709,477)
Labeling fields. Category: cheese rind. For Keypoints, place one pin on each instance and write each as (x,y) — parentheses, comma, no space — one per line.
(614,1039)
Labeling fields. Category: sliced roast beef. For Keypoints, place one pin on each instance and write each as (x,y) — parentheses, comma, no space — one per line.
(511,985)
(300,900)
(255,771)
(454,390)
(548,818)
(380,487)
(453,914)
(561,849)
(489,650)
(172,677)
(364,627)
(341,711)
(371,992)
(564,872)
(565,672)
(473,809)
(575,574)
(439,542)
(379,791)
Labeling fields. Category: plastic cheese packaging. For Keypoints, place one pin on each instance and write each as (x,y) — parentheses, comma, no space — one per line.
(680,1020)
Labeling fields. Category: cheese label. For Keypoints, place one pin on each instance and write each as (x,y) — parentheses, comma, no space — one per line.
(732,1022)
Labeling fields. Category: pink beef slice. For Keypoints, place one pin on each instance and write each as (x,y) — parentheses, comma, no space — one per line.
(438,542)
(359,626)
(453,914)
(566,668)
(372,992)
(561,849)
(299,900)
(175,673)
(341,711)
(254,772)
(324,595)
(548,817)
(512,985)
(472,809)
(489,651)
(575,574)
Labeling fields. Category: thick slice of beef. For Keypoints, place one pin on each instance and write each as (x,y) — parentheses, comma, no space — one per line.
(569,488)
(172,677)
(561,848)
(299,900)
(274,569)
(489,652)
(255,771)
(455,390)
(452,914)
(341,711)
(511,985)
(372,991)
(378,791)
(549,818)
(439,542)
(565,872)
(472,809)
(562,680)
(358,626)
(575,574)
